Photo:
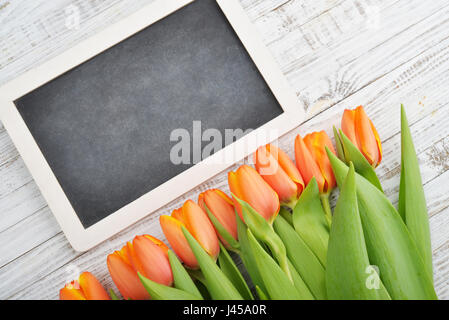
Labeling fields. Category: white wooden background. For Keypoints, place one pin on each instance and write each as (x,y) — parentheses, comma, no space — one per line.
(335,53)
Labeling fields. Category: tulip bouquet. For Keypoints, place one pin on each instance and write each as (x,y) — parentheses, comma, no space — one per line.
(279,223)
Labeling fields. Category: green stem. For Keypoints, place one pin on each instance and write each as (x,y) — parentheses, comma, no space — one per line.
(327,208)
(280,254)
(283,263)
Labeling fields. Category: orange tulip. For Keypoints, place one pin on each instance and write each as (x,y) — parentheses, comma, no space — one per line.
(249,186)
(146,255)
(194,219)
(356,125)
(222,207)
(87,287)
(279,171)
(312,160)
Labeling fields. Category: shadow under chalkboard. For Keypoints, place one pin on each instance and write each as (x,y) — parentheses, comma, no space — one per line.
(104,127)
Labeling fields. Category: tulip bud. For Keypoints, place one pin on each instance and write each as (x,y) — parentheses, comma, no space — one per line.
(146,255)
(222,207)
(195,220)
(356,125)
(249,186)
(87,287)
(279,171)
(312,160)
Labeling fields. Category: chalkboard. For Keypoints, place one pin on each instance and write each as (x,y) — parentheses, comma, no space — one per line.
(104,127)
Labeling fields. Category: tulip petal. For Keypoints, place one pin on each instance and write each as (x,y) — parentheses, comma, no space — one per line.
(199,225)
(173,232)
(71,292)
(252,188)
(378,141)
(306,164)
(288,166)
(235,189)
(316,143)
(126,279)
(178,215)
(159,243)
(268,166)
(221,207)
(92,288)
(361,164)
(155,264)
(368,142)
(348,127)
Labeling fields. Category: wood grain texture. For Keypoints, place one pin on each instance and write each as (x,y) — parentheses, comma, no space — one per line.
(335,53)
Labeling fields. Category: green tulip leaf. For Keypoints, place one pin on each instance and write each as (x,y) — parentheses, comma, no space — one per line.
(222,230)
(262,295)
(218,285)
(230,269)
(310,222)
(348,267)
(302,258)
(299,283)
(247,256)
(264,232)
(159,291)
(113,295)
(277,284)
(412,201)
(181,277)
(340,149)
(389,244)
(361,165)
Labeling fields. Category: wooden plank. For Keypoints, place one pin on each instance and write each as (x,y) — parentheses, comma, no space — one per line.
(20,204)
(45,34)
(335,66)
(14,175)
(40,227)
(288,11)
(438,210)
(441,270)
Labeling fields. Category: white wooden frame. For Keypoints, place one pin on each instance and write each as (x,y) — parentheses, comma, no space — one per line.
(81,238)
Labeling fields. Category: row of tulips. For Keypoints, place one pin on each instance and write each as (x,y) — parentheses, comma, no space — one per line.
(279,222)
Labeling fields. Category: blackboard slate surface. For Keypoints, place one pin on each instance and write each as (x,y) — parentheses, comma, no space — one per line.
(104,127)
